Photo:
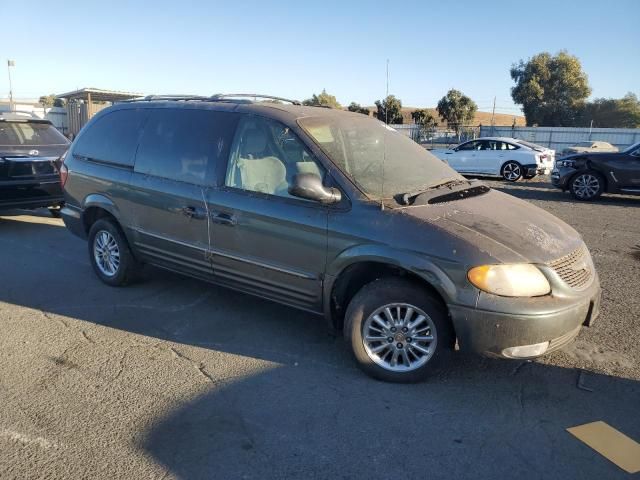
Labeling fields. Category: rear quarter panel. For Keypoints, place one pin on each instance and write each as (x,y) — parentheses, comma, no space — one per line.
(93,184)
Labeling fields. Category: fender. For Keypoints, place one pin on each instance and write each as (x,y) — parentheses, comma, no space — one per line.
(418,264)
(101,201)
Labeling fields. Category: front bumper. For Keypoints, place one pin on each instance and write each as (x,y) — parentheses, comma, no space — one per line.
(490,333)
(560,177)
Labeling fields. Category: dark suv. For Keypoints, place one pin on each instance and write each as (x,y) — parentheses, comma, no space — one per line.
(331,212)
(30,151)
(588,175)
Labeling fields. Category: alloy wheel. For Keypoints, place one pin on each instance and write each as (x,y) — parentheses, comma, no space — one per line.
(106,253)
(399,337)
(511,171)
(586,186)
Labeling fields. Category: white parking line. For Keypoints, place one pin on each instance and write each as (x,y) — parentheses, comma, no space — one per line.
(27,439)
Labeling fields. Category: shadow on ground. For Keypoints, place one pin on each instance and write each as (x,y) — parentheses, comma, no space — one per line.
(309,413)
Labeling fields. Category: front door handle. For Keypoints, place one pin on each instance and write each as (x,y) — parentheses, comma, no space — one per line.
(223,218)
(193,212)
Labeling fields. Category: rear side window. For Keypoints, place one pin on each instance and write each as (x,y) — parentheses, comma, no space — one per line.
(30,134)
(113,138)
(185,144)
(469,146)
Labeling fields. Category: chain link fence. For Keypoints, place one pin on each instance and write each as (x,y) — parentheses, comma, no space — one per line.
(438,137)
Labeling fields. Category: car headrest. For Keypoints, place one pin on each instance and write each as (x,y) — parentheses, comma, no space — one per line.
(254,142)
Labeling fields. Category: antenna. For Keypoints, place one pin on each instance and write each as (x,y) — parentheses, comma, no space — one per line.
(384,139)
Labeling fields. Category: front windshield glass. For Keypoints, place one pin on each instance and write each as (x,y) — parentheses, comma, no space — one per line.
(380,161)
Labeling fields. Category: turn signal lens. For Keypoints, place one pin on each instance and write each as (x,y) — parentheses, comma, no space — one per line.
(526,351)
(515,280)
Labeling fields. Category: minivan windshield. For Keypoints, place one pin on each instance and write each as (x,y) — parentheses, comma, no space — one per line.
(17,134)
(632,148)
(380,161)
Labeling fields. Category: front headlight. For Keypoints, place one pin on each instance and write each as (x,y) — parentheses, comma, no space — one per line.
(510,280)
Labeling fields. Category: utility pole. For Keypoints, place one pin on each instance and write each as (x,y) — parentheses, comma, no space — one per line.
(10,63)
(493,114)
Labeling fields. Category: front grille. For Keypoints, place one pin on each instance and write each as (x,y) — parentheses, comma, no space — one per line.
(575,269)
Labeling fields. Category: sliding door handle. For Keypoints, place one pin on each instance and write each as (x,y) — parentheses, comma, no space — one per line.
(223,218)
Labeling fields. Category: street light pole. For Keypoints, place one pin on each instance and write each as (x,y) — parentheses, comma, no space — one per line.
(10,63)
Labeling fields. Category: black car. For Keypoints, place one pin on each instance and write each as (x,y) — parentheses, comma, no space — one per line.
(589,175)
(30,151)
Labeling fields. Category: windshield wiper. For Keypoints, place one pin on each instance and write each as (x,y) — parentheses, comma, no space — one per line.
(407,198)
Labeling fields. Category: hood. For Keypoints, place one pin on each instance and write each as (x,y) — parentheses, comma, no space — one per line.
(576,155)
(504,227)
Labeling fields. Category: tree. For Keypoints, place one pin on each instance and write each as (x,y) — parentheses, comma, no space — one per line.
(612,113)
(551,89)
(322,100)
(50,100)
(426,124)
(355,107)
(456,109)
(424,118)
(389,110)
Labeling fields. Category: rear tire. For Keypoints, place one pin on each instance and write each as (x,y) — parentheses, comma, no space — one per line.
(511,171)
(586,186)
(402,338)
(110,255)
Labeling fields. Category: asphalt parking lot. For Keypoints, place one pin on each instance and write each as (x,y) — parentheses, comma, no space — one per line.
(173,378)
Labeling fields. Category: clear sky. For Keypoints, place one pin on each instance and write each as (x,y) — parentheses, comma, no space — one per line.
(296,48)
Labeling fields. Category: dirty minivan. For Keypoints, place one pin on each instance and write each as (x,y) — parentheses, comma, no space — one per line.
(331,212)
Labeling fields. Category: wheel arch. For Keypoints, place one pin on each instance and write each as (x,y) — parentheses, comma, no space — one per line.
(508,161)
(96,206)
(350,273)
(590,169)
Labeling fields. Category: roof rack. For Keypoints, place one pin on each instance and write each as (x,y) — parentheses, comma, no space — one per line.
(228,97)
(218,97)
(152,98)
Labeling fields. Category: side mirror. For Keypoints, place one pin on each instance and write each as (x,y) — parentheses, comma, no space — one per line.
(309,186)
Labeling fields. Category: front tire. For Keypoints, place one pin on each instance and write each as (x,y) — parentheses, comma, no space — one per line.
(110,255)
(397,331)
(587,186)
(511,171)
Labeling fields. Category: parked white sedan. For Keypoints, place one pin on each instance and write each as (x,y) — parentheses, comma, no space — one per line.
(510,158)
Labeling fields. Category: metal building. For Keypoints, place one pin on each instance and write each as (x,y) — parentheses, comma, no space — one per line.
(85,103)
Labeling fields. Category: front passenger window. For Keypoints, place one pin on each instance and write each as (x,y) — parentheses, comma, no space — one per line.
(265,157)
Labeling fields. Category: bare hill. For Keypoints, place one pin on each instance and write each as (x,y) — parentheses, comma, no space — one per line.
(483,118)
